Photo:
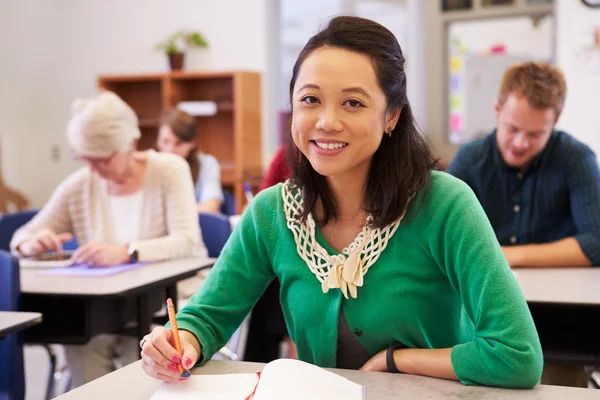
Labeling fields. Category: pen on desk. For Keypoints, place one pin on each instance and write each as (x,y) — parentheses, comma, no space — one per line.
(248,192)
(175,335)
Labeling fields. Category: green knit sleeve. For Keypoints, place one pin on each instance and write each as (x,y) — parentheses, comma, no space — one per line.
(501,346)
(238,279)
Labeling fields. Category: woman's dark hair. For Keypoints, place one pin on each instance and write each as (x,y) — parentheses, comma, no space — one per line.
(402,164)
(183,126)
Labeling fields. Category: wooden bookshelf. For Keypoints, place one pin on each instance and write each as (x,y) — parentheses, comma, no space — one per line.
(232,135)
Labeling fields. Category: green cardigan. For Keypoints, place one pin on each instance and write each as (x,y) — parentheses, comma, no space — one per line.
(441,282)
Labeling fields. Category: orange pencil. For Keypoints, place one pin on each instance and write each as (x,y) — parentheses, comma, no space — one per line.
(175,334)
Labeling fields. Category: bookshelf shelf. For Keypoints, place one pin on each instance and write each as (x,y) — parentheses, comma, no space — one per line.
(232,135)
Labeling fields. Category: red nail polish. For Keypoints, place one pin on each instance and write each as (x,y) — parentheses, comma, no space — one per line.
(188,362)
(177,360)
(172,367)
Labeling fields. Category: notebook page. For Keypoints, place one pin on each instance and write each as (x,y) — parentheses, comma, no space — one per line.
(297,380)
(208,387)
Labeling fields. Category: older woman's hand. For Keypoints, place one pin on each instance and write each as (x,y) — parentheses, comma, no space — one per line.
(44,240)
(100,255)
(159,357)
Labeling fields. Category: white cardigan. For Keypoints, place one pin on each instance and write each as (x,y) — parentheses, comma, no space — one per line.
(169,224)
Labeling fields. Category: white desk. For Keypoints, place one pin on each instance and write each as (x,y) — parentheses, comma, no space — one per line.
(100,304)
(14,321)
(132,383)
(35,281)
(560,285)
(564,302)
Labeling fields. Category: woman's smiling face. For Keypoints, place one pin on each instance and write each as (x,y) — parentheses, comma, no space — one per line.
(339,111)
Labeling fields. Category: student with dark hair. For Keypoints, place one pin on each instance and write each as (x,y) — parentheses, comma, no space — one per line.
(384,263)
(178,135)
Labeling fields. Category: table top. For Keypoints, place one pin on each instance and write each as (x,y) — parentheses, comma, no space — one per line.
(132,383)
(15,321)
(560,285)
(35,281)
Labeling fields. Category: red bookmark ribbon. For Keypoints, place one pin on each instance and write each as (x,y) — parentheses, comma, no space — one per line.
(251,396)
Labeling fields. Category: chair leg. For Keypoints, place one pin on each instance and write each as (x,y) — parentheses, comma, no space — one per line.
(50,385)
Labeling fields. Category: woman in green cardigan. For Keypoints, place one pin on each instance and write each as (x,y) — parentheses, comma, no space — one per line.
(385,264)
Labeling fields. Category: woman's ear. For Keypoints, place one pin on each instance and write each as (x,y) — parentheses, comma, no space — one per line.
(391,118)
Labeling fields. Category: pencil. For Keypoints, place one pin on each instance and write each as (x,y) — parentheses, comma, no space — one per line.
(175,332)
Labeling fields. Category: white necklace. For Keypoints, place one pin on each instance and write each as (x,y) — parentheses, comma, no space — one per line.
(344,271)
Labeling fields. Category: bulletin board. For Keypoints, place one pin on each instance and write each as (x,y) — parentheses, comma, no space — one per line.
(474,81)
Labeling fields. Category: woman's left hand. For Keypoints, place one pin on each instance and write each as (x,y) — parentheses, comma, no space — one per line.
(377,363)
(100,255)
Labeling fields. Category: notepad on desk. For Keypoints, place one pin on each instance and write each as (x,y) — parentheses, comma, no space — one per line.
(280,379)
(49,259)
(87,270)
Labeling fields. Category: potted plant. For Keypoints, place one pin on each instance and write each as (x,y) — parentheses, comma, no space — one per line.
(176,44)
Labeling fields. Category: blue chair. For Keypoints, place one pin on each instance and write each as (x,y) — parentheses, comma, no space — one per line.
(228,205)
(215,232)
(9,223)
(12,372)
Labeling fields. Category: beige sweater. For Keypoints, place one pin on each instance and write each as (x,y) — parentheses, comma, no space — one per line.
(169,223)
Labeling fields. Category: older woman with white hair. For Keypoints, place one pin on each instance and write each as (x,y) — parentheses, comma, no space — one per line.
(123,206)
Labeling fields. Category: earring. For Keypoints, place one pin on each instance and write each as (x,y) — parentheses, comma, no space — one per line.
(388,132)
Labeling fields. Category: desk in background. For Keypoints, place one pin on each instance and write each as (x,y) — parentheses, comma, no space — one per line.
(16,321)
(132,383)
(76,308)
(564,302)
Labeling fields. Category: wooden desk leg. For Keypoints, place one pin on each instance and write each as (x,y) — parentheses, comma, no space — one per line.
(144,318)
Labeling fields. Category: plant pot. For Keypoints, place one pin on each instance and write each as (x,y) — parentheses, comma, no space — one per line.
(176,61)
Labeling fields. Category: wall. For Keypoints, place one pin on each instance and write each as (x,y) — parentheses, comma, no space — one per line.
(301,20)
(582,70)
(53,51)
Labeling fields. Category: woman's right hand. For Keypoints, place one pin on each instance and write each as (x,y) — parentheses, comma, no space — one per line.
(159,357)
(44,240)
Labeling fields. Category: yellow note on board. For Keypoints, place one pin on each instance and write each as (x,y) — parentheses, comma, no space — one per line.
(456,64)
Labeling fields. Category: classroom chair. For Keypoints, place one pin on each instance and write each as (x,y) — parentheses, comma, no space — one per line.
(228,205)
(12,371)
(9,223)
(215,232)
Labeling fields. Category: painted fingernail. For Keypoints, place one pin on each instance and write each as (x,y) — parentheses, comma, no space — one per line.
(172,367)
(177,360)
(187,362)
(185,374)
(182,379)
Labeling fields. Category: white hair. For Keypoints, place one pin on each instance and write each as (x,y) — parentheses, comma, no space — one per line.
(101,126)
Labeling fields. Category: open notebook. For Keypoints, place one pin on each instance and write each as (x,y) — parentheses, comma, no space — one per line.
(280,379)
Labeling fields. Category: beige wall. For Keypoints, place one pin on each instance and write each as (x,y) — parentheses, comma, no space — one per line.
(54,50)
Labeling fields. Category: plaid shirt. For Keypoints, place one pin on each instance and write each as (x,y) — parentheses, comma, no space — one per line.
(558,196)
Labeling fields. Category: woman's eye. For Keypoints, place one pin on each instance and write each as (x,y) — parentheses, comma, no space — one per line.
(354,103)
(310,100)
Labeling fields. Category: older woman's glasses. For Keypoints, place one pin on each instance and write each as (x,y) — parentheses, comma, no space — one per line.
(96,161)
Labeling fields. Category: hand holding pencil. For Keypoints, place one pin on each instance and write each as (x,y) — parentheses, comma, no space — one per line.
(169,354)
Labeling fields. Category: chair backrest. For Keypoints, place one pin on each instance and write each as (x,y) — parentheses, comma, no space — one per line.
(9,223)
(228,205)
(12,373)
(215,232)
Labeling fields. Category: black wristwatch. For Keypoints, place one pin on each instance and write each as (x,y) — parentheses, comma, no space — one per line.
(389,357)
(133,254)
